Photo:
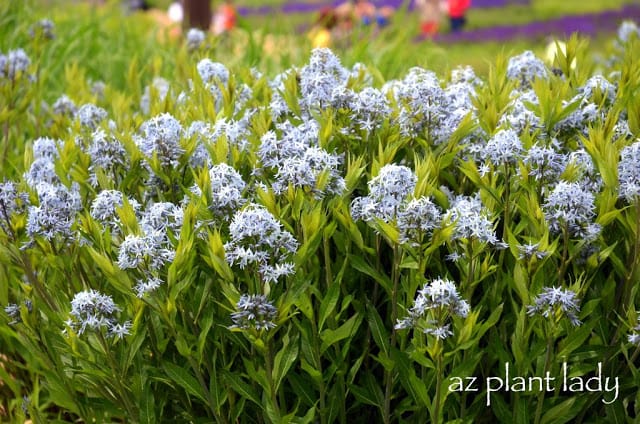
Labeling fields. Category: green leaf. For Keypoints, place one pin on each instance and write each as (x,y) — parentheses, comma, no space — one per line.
(378,330)
(500,408)
(313,372)
(116,277)
(328,304)
(370,395)
(390,232)
(308,418)
(5,378)
(410,381)
(216,257)
(359,264)
(134,345)
(303,389)
(574,340)
(285,358)
(217,390)
(147,402)
(241,387)
(348,329)
(185,380)
(561,413)
(205,326)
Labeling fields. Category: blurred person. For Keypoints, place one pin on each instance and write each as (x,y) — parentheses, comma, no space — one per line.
(430,12)
(197,14)
(225,19)
(383,15)
(176,12)
(362,12)
(321,32)
(457,10)
(135,5)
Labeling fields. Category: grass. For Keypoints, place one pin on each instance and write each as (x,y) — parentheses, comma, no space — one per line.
(105,43)
(538,10)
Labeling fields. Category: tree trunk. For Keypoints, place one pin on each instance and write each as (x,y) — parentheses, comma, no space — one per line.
(197,14)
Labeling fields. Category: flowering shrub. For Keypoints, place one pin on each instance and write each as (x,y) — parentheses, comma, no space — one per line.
(223,245)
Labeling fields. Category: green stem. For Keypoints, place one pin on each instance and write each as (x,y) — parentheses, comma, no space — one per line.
(194,366)
(623,297)
(5,135)
(327,261)
(318,360)
(565,253)
(507,208)
(268,363)
(339,375)
(397,257)
(547,362)
(35,283)
(635,354)
(436,415)
(123,393)
(629,280)
(463,400)
(471,271)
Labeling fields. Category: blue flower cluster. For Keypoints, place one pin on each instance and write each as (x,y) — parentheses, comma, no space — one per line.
(92,310)
(258,240)
(435,304)
(556,303)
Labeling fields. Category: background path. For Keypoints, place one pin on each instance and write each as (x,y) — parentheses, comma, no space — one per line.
(308,6)
(585,24)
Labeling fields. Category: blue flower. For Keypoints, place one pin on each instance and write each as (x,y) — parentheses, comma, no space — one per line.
(306,171)
(160,137)
(160,87)
(64,106)
(572,207)
(44,28)
(417,219)
(545,164)
(195,39)
(107,154)
(92,310)
(212,72)
(422,103)
(435,304)
(90,115)
(387,193)
(319,78)
(627,30)
(554,303)
(629,172)
(147,285)
(227,187)
(55,214)
(526,67)
(504,148)
(254,312)
(520,116)
(529,250)
(257,239)
(13,65)
(470,220)
(12,202)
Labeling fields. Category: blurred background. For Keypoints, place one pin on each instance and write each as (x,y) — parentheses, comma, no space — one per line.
(271,35)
